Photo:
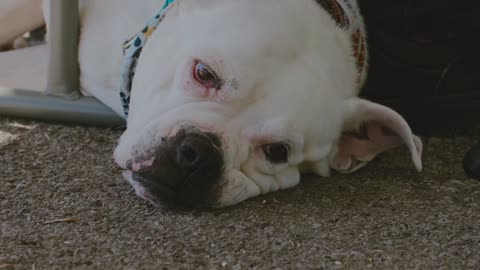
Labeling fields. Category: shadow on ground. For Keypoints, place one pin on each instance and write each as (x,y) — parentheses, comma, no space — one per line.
(64,205)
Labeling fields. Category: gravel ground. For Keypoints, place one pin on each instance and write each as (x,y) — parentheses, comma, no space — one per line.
(64,205)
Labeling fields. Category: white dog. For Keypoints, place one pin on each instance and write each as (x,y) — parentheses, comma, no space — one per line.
(232,99)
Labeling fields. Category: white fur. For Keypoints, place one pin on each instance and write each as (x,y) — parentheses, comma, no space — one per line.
(18,17)
(296,77)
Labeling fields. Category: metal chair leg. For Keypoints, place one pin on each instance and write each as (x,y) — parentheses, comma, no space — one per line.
(62,100)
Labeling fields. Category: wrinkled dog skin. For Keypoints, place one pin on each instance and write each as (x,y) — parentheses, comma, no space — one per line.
(234,99)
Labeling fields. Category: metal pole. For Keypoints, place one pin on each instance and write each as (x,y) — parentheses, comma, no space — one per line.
(63,69)
(35,105)
(64,101)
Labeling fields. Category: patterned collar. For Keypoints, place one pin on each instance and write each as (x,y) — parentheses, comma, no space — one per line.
(132,49)
(347,15)
(344,12)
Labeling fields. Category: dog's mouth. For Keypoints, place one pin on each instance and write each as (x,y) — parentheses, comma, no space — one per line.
(185,170)
(162,196)
(159,195)
(140,190)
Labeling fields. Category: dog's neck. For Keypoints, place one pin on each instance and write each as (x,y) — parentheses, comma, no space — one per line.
(344,12)
(347,15)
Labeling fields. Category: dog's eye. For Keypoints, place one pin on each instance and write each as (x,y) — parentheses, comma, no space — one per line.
(206,76)
(277,153)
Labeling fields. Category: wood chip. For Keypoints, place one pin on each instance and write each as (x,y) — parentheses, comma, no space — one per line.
(6,265)
(63,220)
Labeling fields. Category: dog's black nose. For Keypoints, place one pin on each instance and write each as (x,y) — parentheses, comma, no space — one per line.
(186,171)
(198,153)
(192,151)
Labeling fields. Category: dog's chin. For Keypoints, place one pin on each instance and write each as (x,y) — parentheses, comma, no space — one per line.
(141,191)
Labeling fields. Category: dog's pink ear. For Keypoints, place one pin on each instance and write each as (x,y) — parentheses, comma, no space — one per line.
(368,130)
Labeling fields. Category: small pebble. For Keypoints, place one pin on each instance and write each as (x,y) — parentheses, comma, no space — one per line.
(471,162)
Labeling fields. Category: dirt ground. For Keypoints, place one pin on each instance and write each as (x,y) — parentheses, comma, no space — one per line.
(64,205)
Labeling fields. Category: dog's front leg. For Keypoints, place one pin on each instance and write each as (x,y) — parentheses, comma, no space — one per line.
(18,17)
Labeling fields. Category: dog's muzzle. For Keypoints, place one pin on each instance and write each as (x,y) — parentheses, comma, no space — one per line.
(185,170)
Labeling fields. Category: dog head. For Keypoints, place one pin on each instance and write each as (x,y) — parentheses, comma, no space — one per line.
(233,99)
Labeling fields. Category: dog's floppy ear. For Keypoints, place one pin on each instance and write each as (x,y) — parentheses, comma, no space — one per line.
(368,130)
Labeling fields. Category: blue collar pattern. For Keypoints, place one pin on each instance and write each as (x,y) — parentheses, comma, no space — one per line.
(132,49)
